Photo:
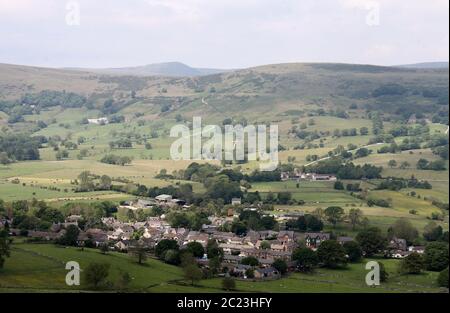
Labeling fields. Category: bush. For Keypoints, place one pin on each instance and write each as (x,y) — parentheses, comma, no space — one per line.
(280,266)
(443,278)
(228,284)
(96,274)
(331,254)
(306,259)
(412,264)
(436,256)
(353,251)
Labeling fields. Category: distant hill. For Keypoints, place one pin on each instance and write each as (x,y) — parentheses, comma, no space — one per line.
(426,65)
(267,93)
(171,69)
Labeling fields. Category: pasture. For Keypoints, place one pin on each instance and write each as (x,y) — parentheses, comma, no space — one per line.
(41,268)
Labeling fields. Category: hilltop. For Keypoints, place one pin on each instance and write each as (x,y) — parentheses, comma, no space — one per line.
(264,91)
(170,69)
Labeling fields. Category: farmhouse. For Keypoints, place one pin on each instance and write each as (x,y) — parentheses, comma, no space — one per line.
(323,177)
(398,244)
(98,121)
(313,240)
(267,273)
(236,201)
(342,240)
(163,198)
(145,204)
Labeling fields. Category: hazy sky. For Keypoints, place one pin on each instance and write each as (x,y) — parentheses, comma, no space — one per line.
(222,33)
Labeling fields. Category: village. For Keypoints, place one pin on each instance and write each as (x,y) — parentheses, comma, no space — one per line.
(266,246)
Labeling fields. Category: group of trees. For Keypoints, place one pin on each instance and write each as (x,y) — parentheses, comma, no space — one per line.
(345,171)
(434,259)
(192,220)
(308,222)
(124,143)
(330,254)
(19,147)
(438,165)
(333,215)
(397,184)
(97,274)
(90,182)
(352,187)
(4,246)
(116,160)
(34,215)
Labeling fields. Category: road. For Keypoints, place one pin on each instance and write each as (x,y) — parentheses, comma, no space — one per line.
(328,157)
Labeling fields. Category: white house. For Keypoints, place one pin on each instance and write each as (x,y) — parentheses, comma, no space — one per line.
(98,121)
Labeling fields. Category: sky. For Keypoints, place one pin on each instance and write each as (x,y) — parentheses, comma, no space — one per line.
(222,33)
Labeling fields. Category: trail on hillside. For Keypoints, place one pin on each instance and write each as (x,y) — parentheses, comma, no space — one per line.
(329,157)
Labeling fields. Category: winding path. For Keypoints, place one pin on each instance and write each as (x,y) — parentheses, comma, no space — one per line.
(329,157)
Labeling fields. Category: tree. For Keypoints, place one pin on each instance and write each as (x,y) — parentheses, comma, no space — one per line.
(4,159)
(164,245)
(85,181)
(392,163)
(356,217)
(313,223)
(362,152)
(280,265)
(436,256)
(265,245)
(371,240)
(192,272)
(123,281)
(250,273)
(384,275)
(2,207)
(214,265)
(250,260)
(139,252)
(433,232)
(331,254)
(196,249)
(422,164)
(364,131)
(306,259)
(228,284)
(4,247)
(96,274)
(338,185)
(284,197)
(353,251)
(213,250)
(412,264)
(404,165)
(105,182)
(172,257)
(443,278)
(70,238)
(404,229)
(334,214)
(104,248)
(238,228)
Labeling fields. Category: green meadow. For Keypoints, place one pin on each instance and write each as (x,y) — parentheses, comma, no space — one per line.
(41,268)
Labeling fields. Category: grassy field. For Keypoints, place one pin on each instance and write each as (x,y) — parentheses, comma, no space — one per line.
(322,195)
(41,268)
(39,174)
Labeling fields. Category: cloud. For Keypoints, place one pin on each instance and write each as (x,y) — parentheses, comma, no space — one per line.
(222,33)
